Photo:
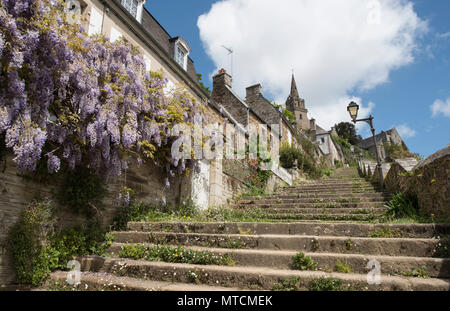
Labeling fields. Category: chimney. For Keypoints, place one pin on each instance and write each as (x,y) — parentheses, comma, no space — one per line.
(221,79)
(312,124)
(253,91)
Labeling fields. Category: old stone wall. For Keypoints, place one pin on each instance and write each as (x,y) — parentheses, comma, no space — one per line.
(429,180)
(16,192)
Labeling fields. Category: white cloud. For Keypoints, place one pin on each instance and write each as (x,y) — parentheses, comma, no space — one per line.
(444,35)
(334,47)
(441,107)
(405,131)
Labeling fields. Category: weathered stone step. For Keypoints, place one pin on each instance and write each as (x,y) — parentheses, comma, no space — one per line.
(250,277)
(268,200)
(91,281)
(329,211)
(292,217)
(298,228)
(329,187)
(329,191)
(297,205)
(326,244)
(349,196)
(434,267)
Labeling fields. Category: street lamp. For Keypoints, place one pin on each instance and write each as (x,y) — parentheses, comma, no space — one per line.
(353,109)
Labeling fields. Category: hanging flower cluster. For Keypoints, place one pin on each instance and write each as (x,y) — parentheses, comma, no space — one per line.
(76,100)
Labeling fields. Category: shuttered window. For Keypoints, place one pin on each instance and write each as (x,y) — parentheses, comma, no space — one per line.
(95,22)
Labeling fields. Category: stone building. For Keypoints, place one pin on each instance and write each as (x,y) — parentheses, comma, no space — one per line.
(296,105)
(390,137)
(329,149)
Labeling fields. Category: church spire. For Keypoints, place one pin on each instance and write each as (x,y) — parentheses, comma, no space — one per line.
(294,91)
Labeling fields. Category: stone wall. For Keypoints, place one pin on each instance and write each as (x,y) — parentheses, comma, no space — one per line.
(16,192)
(429,180)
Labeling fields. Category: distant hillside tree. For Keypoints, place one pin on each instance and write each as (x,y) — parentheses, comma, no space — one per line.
(347,131)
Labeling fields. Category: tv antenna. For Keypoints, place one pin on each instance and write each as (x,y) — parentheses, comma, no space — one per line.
(230,52)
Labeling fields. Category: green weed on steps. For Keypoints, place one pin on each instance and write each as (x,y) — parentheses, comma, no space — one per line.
(174,255)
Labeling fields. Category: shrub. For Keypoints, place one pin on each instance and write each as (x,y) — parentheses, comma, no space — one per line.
(402,205)
(37,249)
(175,255)
(343,267)
(325,284)
(303,262)
(33,257)
(288,155)
(288,284)
(395,151)
(83,191)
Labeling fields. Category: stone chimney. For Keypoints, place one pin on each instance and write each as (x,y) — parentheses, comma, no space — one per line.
(253,92)
(221,79)
(312,124)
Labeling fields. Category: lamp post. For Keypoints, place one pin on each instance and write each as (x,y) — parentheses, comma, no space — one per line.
(353,109)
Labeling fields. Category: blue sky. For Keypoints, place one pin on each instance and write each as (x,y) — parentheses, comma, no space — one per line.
(404,98)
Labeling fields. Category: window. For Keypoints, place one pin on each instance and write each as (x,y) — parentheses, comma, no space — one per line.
(323,140)
(131,6)
(95,22)
(115,34)
(180,56)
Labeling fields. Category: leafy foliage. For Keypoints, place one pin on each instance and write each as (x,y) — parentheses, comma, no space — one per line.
(289,154)
(83,191)
(32,255)
(347,131)
(176,255)
(288,285)
(303,262)
(140,211)
(84,102)
(202,85)
(395,151)
(402,205)
(37,249)
(325,284)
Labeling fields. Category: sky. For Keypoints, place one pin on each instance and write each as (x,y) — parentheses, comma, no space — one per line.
(390,56)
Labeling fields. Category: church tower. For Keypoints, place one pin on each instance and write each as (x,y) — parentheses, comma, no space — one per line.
(296,105)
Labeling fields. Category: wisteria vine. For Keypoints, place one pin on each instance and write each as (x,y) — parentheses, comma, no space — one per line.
(76,100)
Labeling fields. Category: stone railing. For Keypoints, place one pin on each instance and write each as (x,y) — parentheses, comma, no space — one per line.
(428,180)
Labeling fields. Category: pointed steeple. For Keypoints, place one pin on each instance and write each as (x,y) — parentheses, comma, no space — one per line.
(294,91)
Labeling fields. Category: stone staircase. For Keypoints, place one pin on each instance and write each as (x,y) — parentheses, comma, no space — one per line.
(344,197)
(323,220)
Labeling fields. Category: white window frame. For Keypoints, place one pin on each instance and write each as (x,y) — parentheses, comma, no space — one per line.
(115,34)
(182,61)
(95,22)
(134,7)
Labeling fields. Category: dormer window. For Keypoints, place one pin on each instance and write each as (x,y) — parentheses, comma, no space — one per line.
(134,7)
(180,50)
(131,6)
(180,56)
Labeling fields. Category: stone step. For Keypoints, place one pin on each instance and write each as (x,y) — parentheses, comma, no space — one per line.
(335,196)
(329,211)
(268,200)
(411,247)
(297,205)
(249,277)
(328,187)
(330,191)
(298,228)
(292,217)
(91,281)
(434,267)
